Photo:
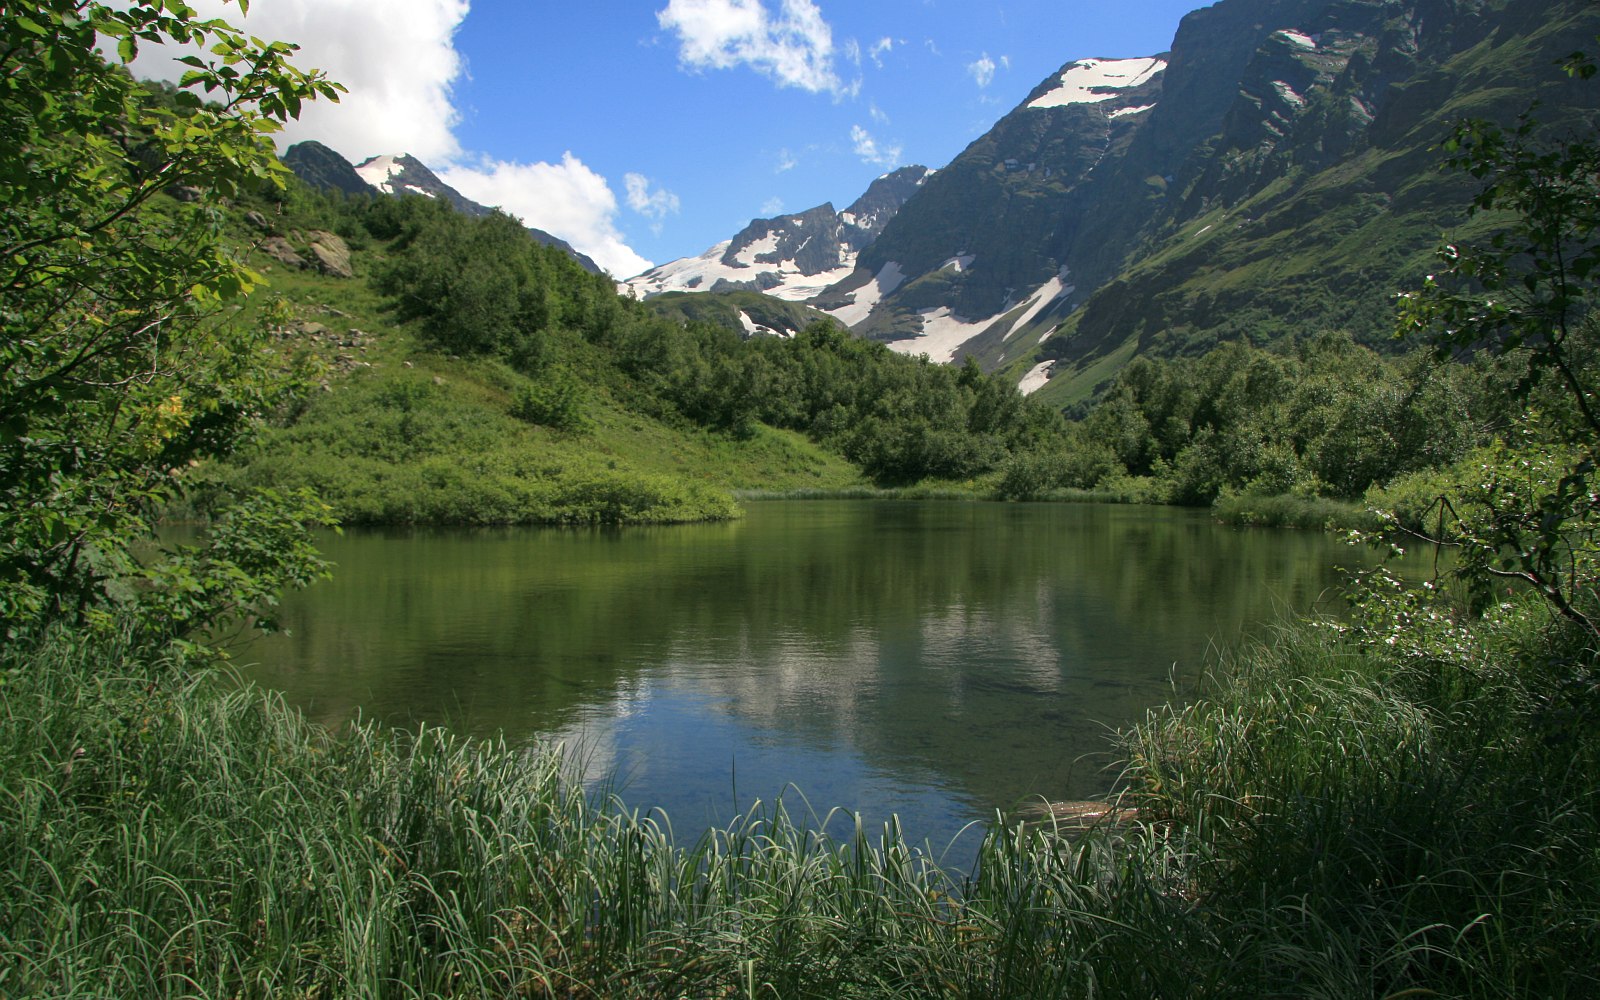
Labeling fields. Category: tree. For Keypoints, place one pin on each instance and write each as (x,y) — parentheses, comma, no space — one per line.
(1526,508)
(476,286)
(123,359)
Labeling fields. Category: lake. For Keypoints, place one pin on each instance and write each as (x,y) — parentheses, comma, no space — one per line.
(936,660)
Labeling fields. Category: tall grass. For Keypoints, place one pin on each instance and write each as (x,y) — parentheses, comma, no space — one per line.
(1325,822)
(1283,510)
(932,490)
(1421,821)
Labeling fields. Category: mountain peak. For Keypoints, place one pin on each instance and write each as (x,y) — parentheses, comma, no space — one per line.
(398,174)
(790,256)
(323,168)
(402,173)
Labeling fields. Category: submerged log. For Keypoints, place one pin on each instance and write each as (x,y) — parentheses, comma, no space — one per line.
(1078,816)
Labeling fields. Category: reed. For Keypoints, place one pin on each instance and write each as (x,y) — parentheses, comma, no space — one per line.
(920,491)
(1285,510)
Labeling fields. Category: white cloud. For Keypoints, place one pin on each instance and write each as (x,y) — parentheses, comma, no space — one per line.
(787,161)
(879,49)
(772,206)
(566,199)
(794,47)
(867,148)
(657,204)
(398,60)
(877,114)
(982,70)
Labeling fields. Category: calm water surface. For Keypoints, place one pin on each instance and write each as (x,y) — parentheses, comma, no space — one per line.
(934,660)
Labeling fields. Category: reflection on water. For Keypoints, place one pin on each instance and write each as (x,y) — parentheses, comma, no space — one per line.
(937,660)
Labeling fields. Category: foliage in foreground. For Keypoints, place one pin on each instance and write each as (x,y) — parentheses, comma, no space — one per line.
(121,359)
(1408,805)
(1340,814)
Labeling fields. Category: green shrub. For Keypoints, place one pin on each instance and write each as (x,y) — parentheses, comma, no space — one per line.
(555,400)
(1293,511)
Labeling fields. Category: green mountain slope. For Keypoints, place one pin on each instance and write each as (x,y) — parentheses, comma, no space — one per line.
(1308,215)
(739,311)
(390,429)
(450,369)
(1275,175)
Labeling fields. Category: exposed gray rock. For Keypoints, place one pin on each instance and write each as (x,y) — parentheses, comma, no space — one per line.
(325,169)
(332,254)
(282,251)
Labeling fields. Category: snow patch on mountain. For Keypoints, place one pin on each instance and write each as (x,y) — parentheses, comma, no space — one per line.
(1036,378)
(781,280)
(754,329)
(686,274)
(867,297)
(1091,81)
(943,333)
(1297,38)
(796,286)
(793,257)
(381,170)
(1056,288)
(766,245)
(1124,112)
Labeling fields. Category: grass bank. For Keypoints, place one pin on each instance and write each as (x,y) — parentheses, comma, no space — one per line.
(919,491)
(1335,815)
(1283,510)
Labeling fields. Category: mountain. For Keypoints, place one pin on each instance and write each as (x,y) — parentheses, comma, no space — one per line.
(1277,177)
(982,238)
(325,169)
(397,174)
(1274,174)
(402,173)
(405,174)
(793,256)
(744,312)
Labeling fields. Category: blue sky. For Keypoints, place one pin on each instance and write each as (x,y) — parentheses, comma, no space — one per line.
(646,130)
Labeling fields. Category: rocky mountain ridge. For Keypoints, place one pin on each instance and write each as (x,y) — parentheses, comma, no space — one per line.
(1274,174)
(794,256)
(397,174)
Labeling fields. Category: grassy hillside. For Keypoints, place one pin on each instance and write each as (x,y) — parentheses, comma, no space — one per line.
(389,428)
(441,369)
